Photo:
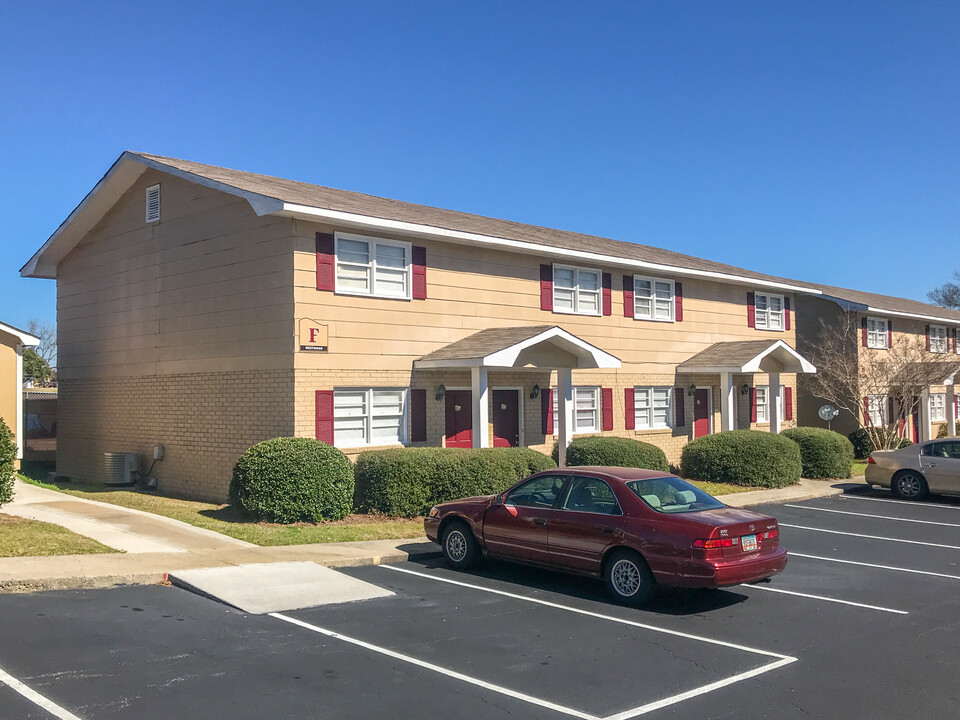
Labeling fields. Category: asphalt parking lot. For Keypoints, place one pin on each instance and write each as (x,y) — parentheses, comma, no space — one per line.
(865,622)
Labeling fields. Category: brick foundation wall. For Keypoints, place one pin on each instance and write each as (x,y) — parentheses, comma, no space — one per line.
(205,421)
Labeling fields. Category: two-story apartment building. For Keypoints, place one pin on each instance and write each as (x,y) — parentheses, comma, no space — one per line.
(13,341)
(880,325)
(207,309)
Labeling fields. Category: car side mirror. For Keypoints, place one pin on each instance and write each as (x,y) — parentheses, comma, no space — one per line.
(498,500)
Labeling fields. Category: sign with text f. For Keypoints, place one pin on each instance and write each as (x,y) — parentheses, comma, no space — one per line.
(313,335)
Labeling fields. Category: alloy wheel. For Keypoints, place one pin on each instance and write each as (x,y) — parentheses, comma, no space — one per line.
(625,577)
(456,545)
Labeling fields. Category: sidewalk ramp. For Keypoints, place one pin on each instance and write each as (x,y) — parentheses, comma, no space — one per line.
(276,587)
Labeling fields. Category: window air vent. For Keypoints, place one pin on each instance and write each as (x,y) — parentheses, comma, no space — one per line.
(153,203)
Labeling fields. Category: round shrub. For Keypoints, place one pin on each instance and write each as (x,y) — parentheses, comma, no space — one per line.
(287,480)
(863,445)
(613,452)
(407,482)
(824,453)
(743,457)
(8,458)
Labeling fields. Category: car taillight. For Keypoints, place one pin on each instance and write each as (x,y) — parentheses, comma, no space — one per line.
(769,534)
(871,461)
(715,544)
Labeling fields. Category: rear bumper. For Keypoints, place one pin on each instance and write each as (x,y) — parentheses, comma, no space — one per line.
(724,572)
(876,475)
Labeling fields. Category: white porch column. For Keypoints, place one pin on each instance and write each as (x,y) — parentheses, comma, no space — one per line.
(773,402)
(564,412)
(727,400)
(18,426)
(481,407)
(925,415)
(951,410)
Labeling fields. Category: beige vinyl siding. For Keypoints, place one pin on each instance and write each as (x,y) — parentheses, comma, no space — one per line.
(10,382)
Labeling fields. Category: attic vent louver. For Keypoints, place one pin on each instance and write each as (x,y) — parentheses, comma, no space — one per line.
(153,203)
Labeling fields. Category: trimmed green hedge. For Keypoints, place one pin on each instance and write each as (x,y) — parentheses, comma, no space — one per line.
(863,446)
(743,457)
(287,480)
(613,452)
(409,481)
(824,453)
(8,459)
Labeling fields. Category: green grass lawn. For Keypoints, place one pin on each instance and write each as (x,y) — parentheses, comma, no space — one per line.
(715,488)
(858,468)
(224,519)
(22,538)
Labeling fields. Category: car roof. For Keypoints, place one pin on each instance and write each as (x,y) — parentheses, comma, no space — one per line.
(623,474)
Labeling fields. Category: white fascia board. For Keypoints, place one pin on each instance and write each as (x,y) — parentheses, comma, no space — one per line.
(24,338)
(458,236)
(508,356)
(805,366)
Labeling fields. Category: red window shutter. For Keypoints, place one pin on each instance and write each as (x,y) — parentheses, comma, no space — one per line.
(629,409)
(753,405)
(678,302)
(786,313)
(866,410)
(546,287)
(890,335)
(751,310)
(418,415)
(863,331)
(679,417)
(788,403)
(546,411)
(325,416)
(628,296)
(326,278)
(419,273)
(889,408)
(606,408)
(926,329)
(607,294)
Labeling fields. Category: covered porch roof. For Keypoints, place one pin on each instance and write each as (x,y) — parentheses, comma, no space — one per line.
(747,356)
(538,346)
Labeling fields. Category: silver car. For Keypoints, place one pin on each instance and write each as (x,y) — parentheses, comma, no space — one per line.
(915,471)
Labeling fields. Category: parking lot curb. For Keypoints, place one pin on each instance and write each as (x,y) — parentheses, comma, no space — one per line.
(804,490)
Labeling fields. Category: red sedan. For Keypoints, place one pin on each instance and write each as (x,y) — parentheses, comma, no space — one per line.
(635,528)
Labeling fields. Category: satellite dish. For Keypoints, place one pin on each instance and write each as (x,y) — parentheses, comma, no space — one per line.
(827,412)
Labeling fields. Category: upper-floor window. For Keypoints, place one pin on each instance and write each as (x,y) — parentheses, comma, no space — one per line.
(768,311)
(763,404)
(576,290)
(373,266)
(938,338)
(877,333)
(938,407)
(877,409)
(586,403)
(652,407)
(653,299)
(369,416)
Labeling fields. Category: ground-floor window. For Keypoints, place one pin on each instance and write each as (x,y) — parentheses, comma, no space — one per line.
(763,404)
(586,401)
(877,409)
(938,407)
(369,416)
(652,407)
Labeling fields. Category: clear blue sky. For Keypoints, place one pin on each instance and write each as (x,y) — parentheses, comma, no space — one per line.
(817,140)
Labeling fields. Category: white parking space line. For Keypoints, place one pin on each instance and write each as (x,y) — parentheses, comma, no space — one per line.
(913,503)
(873,565)
(881,517)
(436,668)
(871,537)
(826,599)
(35,697)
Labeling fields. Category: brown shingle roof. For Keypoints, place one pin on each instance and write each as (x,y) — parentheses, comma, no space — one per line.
(370,205)
(486,342)
(889,303)
(736,352)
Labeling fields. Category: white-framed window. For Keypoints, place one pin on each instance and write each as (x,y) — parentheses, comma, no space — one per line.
(877,333)
(153,204)
(652,407)
(373,266)
(938,407)
(653,299)
(576,290)
(586,414)
(877,409)
(763,404)
(768,311)
(938,338)
(369,416)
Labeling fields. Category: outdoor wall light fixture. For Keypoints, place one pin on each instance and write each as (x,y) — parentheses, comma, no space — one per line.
(441,391)
(744,389)
(535,393)
(691,390)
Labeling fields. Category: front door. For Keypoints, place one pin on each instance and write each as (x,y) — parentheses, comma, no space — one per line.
(701,412)
(459,419)
(506,418)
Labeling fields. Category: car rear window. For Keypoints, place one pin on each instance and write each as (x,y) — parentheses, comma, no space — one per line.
(672,495)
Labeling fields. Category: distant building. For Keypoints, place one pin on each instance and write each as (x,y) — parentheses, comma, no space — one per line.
(12,343)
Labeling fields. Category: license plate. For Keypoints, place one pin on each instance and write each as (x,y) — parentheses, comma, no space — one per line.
(748,543)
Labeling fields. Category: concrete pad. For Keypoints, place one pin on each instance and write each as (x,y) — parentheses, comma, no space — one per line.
(276,587)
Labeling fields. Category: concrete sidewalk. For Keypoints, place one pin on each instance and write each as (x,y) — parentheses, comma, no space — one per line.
(803,490)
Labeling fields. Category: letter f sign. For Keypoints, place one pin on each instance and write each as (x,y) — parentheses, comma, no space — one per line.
(313,334)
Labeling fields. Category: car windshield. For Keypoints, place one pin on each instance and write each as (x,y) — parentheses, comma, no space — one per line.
(673,495)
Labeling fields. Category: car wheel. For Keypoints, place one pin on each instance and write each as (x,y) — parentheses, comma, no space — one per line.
(460,549)
(909,485)
(628,578)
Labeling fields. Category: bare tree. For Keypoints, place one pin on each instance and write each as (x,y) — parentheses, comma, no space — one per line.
(948,294)
(846,375)
(47,349)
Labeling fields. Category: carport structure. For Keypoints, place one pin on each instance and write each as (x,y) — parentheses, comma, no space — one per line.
(536,348)
(747,357)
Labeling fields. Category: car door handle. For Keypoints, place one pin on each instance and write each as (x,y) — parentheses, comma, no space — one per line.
(540,521)
(931,464)
(609,529)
